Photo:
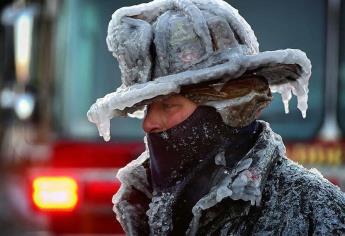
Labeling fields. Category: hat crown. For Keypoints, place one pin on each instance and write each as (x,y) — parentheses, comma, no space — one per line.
(166,37)
(178,47)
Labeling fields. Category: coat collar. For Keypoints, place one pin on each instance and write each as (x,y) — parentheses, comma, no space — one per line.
(245,181)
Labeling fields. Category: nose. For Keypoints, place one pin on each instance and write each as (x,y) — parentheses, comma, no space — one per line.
(153,121)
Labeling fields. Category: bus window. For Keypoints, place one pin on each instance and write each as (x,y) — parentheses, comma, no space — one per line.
(87,71)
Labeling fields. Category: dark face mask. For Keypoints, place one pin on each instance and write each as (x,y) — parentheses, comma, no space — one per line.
(175,152)
(182,146)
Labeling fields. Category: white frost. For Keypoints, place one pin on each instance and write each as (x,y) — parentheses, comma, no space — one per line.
(133,175)
(222,193)
(220,159)
(160,213)
(243,165)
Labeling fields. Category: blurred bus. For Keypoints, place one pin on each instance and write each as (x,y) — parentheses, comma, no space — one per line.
(55,64)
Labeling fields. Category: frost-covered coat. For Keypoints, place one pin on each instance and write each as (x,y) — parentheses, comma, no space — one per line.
(265,194)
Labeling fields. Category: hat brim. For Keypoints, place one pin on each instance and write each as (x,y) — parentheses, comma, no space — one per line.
(278,67)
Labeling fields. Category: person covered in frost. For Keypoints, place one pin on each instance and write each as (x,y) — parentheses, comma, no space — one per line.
(210,167)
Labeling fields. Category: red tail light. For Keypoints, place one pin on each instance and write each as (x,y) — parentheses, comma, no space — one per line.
(55,193)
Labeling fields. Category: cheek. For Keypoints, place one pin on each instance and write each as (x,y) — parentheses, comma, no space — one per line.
(175,118)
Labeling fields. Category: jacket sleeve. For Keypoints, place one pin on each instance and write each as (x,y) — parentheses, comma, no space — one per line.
(297,201)
(327,208)
(132,200)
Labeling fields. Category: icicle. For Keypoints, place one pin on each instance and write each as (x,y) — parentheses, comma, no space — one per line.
(100,115)
(285,91)
(286,99)
(298,88)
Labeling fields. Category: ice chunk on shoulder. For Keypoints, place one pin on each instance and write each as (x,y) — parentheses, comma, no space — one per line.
(220,159)
(222,193)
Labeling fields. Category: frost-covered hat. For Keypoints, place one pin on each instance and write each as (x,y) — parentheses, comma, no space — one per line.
(165,45)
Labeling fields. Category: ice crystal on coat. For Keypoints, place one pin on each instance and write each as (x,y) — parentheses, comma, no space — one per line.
(222,193)
(220,159)
(160,213)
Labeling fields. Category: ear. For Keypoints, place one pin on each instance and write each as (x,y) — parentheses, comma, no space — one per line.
(130,43)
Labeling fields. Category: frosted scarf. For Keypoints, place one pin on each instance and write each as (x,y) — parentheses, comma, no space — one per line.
(201,136)
(180,154)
